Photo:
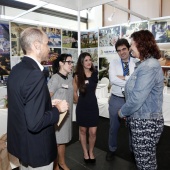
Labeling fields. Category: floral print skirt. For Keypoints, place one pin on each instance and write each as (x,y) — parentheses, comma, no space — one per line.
(145,135)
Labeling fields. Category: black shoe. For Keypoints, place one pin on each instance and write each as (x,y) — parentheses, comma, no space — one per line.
(132,156)
(92,161)
(86,160)
(60,167)
(110,155)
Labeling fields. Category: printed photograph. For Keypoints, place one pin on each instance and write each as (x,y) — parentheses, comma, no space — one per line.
(103,68)
(94,54)
(128,29)
(109,36)
(54,36)
(69,39)
(5,67)
(16,29)
(89,39)
(161,30)
(53,54)
(73,52)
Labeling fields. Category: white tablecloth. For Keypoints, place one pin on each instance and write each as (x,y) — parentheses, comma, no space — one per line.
(3,94)
(3,127)
(166,109)
(104,112)
(101,91)
(103,107)
(3,121)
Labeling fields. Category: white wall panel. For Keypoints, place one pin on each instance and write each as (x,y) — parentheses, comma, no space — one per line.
(147,8)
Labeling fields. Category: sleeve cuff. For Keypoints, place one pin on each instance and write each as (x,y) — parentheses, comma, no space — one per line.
(126,78)
(121,115)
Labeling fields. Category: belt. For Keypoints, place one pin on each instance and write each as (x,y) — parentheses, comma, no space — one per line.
(117,96)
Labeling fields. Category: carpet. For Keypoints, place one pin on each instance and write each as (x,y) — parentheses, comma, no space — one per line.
(163,148)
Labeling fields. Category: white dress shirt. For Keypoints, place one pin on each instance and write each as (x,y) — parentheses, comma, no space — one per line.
(115,68)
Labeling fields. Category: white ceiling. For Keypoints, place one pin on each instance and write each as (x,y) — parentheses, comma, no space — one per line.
(78,5)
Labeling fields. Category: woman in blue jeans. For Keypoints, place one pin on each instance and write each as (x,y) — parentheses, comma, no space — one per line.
(144,98)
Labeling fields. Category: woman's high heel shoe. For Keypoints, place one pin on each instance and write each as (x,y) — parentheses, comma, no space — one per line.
(61,168)
(91,160)
(86,160)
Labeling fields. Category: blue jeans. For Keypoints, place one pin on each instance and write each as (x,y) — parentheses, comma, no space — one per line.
(115,103)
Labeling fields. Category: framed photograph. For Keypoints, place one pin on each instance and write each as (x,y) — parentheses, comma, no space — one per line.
(161,30)
(89,39)
(5,67)
(54,36)
(128,29)
(69,39)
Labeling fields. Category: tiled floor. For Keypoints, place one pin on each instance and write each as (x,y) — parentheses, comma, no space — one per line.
(74,160)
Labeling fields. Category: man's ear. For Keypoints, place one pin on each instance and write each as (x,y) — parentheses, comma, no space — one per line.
(37,45)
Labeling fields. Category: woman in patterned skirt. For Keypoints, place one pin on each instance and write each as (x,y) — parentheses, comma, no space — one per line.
(144,98)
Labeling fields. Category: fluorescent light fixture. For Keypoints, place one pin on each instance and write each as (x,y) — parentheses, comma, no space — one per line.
(32,22)
(31,2)
(30,10)
(53,7)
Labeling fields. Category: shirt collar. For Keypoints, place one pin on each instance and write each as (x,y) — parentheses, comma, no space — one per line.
(40,66)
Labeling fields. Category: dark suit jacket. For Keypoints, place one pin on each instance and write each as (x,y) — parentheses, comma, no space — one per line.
(31,118)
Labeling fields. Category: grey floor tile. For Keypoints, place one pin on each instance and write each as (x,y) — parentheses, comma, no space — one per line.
(74,159)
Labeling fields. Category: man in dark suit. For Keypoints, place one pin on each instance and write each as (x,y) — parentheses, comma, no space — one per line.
(31,117)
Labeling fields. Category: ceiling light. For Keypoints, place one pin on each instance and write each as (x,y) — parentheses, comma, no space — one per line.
(111,16)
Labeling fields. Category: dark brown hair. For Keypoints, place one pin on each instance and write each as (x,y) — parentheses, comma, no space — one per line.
(146,44)
(80,72)
(120,42)
(62,58)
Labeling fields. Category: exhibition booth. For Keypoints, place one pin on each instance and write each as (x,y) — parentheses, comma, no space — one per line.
(99,42)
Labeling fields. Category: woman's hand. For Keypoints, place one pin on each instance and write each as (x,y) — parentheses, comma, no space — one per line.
(120,115)
(55,101)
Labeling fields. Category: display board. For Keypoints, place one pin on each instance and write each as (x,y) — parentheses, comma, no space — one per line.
(100,43)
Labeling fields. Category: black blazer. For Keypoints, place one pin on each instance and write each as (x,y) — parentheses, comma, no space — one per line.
(31,118)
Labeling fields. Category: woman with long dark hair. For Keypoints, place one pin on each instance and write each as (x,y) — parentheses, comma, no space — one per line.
(60,87)
(87,112)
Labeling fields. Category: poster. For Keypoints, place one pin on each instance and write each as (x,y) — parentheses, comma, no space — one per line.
(54,36)
(69,39)
(107,39)
(128,29)
(53,54)
(73,52)
(94,54)
(4,50)
(89,39)
(161,30)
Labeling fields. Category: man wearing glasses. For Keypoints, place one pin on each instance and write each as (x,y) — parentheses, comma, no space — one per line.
(119,71)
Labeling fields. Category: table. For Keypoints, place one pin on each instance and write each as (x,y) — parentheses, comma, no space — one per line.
(3,94)
(3,127)
(166,106)
(103,107)
(102,91)
(3,121)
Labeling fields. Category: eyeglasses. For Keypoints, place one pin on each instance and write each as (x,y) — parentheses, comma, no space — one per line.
(123,49)
(69,62)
